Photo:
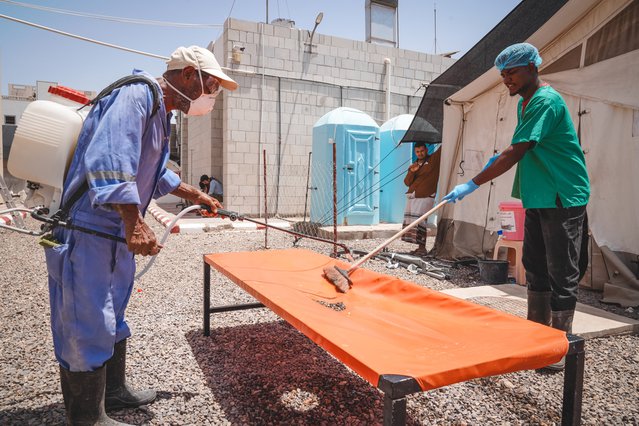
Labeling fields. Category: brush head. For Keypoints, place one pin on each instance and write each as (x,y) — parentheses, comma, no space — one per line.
(338,277)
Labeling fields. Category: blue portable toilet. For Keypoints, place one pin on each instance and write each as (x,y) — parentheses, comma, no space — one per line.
(356,137)
(393,167)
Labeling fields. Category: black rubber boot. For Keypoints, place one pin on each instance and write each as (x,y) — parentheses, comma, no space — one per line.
(561,320)
(539,307)
(118,394)
(84,398)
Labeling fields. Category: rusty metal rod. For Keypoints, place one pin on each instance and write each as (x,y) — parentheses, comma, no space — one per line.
(265,203)
(335,198)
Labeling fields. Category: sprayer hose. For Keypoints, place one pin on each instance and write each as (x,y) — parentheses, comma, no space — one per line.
(165,236)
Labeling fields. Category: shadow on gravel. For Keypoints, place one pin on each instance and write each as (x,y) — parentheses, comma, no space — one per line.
(269,373)
(170,395)
(53,414)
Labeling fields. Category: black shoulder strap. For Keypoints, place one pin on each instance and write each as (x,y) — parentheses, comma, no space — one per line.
(130,79)
(63,213)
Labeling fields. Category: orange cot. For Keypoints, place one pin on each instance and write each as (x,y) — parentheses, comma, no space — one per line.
(400,337)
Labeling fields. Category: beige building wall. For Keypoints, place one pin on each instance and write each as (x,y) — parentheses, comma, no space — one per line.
(284,90)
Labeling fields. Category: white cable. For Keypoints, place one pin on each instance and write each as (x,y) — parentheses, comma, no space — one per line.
(42,27)
(227,18)
(230,11)
(111,18)
(102,43)
(166,235)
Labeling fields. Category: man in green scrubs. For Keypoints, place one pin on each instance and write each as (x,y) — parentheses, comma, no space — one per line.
(552,182)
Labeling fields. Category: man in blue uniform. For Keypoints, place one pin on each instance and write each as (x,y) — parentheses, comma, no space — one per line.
(121,154)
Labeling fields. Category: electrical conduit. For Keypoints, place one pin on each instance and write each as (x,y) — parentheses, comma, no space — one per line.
(389,68)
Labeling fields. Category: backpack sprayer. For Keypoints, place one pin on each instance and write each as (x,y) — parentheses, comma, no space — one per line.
(42,150)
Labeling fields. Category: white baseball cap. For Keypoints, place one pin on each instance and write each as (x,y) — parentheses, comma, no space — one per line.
(204,59)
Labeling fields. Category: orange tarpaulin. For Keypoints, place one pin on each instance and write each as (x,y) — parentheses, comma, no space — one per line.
(385,325)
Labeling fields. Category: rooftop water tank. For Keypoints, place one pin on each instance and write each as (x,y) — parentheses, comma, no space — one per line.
(355,135)
(395,161)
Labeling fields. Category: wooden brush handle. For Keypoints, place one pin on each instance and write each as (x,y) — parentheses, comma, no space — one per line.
(396,236)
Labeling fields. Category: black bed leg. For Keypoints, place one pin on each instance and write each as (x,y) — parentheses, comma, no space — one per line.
(207,299)
(394,411)
(573,382)
(395,388)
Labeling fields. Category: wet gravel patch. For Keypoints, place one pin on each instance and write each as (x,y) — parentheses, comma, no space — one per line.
(254,368)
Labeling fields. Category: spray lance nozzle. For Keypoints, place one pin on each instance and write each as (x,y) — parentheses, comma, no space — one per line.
(224,213)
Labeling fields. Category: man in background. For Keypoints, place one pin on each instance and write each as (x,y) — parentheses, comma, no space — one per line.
(421,181)
(216,190)
(205,183)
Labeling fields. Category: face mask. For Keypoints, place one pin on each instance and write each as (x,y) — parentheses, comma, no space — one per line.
(203,104)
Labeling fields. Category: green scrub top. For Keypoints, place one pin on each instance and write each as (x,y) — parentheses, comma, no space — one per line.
(555,166)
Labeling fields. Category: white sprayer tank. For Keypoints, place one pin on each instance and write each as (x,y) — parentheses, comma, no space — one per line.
(43,146)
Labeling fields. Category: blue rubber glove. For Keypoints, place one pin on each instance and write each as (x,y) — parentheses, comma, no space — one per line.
(491,161)
(460,191)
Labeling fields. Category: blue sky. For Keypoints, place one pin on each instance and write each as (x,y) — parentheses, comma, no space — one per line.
(28,54)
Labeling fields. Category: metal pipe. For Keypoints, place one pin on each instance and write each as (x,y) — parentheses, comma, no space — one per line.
(335,198)
(308,175)
(190,164)
(261,133)
(207,299)
(279,145)
(265,204)
(435,24)
(387,61)
(397,26)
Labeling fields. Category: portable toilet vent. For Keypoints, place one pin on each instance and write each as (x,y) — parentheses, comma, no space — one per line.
(393,167)
(355,135)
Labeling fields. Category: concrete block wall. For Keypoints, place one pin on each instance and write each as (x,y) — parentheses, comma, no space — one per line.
(283,91)
(202,141)
(216,163)
(198,154)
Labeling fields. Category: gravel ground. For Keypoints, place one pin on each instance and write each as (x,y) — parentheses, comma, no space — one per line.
(256,369)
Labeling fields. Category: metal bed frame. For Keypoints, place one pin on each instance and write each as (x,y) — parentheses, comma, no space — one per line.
(397,387)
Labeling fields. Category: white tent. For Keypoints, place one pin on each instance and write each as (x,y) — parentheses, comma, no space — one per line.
(590,51)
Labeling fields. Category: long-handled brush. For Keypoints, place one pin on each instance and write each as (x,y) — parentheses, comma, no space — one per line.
(340,277)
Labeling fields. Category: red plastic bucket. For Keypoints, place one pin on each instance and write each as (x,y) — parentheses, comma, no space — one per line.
(511,216)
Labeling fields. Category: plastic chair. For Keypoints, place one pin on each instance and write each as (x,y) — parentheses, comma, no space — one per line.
(514,251)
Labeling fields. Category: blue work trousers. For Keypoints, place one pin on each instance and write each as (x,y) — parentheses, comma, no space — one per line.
(90,283)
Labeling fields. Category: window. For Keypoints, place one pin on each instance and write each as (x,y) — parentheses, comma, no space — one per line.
(569,61)
(381,20)
(10,119)
(617,37)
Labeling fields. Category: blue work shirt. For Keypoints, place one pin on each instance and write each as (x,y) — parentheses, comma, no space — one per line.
(122,152)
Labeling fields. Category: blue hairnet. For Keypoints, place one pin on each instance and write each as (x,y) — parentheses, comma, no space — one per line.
(518,55)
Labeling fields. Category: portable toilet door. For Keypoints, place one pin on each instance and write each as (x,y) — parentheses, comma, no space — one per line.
(355,135)
(361,177)
(395,161)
